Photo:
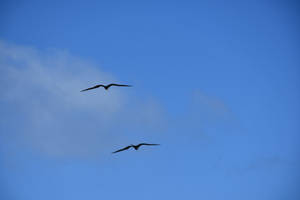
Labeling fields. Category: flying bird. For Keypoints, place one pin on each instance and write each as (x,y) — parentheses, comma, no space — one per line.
(136,147)
(105,86)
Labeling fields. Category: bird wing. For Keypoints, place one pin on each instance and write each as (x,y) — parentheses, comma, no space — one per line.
(122,149)
(147,144)
(114,84)
(92,88)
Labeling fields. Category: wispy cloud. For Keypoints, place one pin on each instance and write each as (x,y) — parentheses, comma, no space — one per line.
(41,90)
(262,164)
(207,116)
(43,108)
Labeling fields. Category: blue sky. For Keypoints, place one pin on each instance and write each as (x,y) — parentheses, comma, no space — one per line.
(216,84)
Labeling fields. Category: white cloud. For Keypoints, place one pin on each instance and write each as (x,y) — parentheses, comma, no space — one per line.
(56,118)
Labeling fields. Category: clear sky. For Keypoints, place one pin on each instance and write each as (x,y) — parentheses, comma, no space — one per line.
(216,84)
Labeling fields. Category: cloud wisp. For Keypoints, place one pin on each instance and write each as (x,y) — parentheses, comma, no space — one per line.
(43,107)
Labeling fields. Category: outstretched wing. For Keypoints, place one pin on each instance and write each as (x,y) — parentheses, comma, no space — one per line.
(122,149)
(92,88)
(119,85)
(146,144)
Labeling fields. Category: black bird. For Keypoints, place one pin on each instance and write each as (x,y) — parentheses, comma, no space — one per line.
(136,147)
(105,86)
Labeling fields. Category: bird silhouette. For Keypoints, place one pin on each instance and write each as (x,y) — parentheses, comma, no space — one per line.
(136,147)
(105,86)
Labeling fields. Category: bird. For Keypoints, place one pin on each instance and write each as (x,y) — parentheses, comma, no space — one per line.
(136,147)
(105,86)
